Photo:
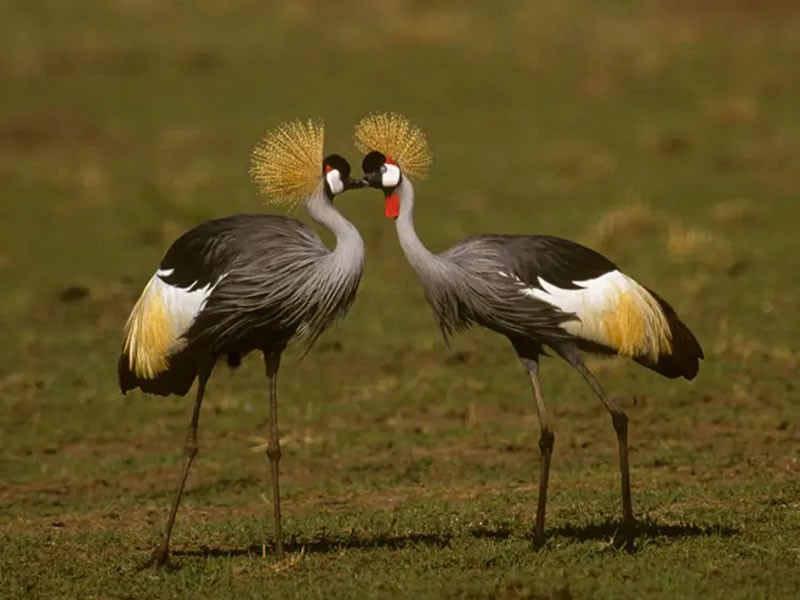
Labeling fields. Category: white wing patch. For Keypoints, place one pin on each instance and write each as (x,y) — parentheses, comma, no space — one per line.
(613,310)
(161,316)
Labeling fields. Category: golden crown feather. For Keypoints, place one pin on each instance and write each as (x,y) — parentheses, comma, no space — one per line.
(286,164)
(393,135)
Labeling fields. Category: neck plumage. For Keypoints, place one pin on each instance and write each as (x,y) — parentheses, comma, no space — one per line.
(424,262)
(445,285)
(334,281)
(349,245)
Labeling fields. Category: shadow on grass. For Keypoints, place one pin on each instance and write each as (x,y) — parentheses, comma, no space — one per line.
(607,530)
(325,544)
(611,530)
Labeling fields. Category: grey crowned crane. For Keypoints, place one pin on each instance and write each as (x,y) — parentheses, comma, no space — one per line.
(538,291)
(251,282)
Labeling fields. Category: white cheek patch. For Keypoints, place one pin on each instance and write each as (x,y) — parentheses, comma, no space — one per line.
(334,179)
(391,177)
(613,310)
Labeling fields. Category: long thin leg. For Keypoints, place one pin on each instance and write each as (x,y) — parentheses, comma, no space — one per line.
(546,440)
(272,361)
(620,421)
(190,448)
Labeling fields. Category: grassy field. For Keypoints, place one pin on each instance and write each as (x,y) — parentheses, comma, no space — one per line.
(664,133)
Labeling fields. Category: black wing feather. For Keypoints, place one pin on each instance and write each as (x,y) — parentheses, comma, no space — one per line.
(560,262)
(235,246)
(203,254)
(556,260)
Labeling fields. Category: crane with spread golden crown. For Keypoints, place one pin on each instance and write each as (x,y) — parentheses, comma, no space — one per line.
(538,291)
(251,282)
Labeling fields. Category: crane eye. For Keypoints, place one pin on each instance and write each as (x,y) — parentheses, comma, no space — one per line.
(390,176)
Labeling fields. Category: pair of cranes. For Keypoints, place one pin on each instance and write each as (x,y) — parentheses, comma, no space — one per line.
(257,282)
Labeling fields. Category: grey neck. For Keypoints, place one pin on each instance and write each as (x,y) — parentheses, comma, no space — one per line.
(422,260)
(349,244)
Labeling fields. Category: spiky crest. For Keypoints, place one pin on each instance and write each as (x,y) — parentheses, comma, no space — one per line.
(286,164)
(395,136)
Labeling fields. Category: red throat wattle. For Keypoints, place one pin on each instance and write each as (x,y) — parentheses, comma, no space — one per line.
(392,206)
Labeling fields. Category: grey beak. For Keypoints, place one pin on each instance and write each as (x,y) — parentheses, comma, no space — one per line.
(353,184)
(373,179)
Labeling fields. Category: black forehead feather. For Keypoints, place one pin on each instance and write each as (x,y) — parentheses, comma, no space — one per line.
(373,162)
(338,162)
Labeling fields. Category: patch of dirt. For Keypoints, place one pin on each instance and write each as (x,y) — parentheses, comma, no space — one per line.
(132,519)
(154,478)
(202,60)
(34,131)
(139,518)
(758,10)
(146,518)
(433,27)
(106,305)
(673,144)
(734,110)
(73,293)
(151,445)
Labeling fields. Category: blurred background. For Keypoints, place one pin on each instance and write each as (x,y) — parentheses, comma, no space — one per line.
(664,133)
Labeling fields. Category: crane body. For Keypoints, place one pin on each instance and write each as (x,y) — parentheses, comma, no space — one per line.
(251,282)
(231,286)
(540,292)
(553,292)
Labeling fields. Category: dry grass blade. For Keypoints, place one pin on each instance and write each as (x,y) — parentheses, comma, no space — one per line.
(693,243)
(734,212)
(395,136)
(623,224)
(289,563)
(287,163)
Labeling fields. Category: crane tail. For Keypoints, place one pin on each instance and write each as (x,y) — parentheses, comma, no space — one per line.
(684,360)
(177,379)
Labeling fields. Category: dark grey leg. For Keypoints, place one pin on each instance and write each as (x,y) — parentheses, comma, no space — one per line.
(161,556)
(620,421)
(546,440)
(272,361)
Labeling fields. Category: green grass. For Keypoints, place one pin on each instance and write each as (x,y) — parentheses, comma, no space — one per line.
(666,134)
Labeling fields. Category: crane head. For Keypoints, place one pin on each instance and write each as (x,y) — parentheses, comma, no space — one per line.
(381,172)
(336,171)
(286,164)
(394,148)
